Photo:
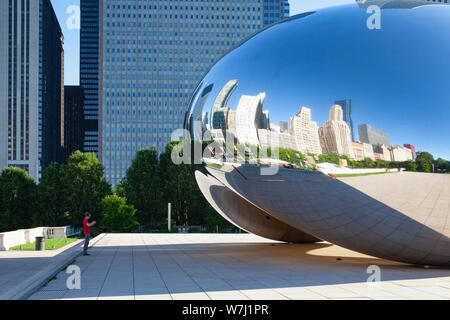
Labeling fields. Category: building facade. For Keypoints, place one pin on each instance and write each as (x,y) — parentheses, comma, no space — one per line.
(371,135)
(410,147)
(358,150)
(335,137)
(31,86)
(275,11)
(283,126)
(271,139)
(347,108)
(89,72)
(305,132)
(383,152)
(368,151)
(401,154)
(249,118)
(73,120)
(152,55)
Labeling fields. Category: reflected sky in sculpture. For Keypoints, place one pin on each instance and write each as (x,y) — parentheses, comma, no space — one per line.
(397,77)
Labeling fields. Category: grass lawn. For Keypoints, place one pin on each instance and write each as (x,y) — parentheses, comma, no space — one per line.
(359,174)
(49,243)
(214,165)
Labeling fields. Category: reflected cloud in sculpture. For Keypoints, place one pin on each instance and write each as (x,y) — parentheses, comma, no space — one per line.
(293,72)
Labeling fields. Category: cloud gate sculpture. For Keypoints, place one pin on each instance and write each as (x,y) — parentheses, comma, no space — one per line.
(350,81)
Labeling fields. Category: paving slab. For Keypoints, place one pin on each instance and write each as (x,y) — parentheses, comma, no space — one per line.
(238,267)
(23,272)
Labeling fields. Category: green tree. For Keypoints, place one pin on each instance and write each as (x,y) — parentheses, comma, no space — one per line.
(120,189)
(214,221)
(425,162)
(142,187)
(330,158)
(17,200)
(442,165)
(292,156)
(118,216)
(412,166)
(368,163)
(52,197)
(84,187)
(180,188)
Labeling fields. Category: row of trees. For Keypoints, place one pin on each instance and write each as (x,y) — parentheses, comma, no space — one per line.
(66,191)
(424,162)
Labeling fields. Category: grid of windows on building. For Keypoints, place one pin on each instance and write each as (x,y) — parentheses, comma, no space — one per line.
(153,55)
(31,91)
(89,73)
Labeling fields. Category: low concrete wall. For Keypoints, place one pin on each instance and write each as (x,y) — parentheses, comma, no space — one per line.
(55,232)
(31,234)
(330,168)
(25,236)
(11,239)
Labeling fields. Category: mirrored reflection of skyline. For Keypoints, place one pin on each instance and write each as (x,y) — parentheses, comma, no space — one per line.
(249,123)
(380,72)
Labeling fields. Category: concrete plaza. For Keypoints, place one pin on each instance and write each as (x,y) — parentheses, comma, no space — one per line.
(237,267)
(24,271)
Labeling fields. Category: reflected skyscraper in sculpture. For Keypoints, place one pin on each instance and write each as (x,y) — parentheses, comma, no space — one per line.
(371,135)
(348,117)
(306,132)
(335,136)
(249,118)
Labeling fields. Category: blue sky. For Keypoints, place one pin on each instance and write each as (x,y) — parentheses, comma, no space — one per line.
(71,41)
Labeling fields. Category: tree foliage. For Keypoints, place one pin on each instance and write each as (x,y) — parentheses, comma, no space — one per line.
(142,186)
(52,191)
(425,162)
(66,192)
(117,215)
(17,200)
(181,189)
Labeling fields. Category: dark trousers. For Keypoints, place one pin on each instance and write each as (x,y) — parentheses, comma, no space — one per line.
(87,237)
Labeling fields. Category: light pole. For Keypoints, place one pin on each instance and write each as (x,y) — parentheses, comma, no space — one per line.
(169,213)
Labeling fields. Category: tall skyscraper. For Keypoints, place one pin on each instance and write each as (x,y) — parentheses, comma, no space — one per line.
(219,112)
(306,132)
(249,118)
(275,11)
(371,135)
(284,126)
(31,85)
(89,72)
(335,135)
(73,120)
(152,56)
(347,108)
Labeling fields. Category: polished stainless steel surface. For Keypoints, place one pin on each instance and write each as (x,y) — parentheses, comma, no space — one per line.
(306,84)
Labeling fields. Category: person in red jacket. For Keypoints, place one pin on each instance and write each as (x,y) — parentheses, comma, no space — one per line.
(87,231)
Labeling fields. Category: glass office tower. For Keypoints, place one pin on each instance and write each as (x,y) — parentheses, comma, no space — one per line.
(347,108)
(371,135)
(73,120)
(31,86)
(89,72)
(152,55)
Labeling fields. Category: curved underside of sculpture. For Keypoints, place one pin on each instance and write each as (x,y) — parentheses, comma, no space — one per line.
(399,216)
(246,216)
